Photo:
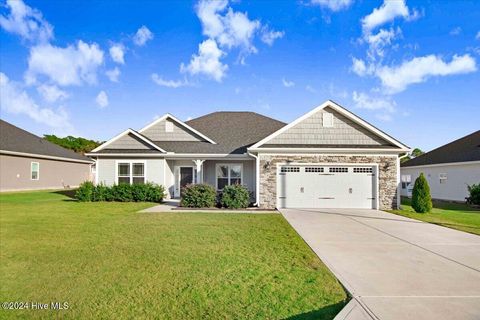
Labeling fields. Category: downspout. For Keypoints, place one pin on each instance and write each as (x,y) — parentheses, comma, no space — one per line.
(257,178)
(399,189)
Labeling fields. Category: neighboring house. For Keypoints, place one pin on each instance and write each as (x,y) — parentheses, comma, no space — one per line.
(28,162)
(327,158)
(449,169)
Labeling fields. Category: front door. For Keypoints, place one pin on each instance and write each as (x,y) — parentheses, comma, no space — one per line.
(186,177)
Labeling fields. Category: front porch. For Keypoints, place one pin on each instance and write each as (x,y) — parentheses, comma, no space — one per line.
(215,172)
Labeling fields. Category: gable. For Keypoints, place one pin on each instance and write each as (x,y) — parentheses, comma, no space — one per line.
(158,132)
(129,141)
(344,132)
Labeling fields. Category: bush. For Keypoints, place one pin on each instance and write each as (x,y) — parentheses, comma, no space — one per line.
(474,191)
(147,192)
(198,196)
(421,199)
(235,196)
(85,191)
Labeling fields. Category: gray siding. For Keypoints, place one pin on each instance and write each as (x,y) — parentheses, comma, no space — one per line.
(106,170)
(53,174)
(209,174)
(129,142)
(344,132)
(157,133)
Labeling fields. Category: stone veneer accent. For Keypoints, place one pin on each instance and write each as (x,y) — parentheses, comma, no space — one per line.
(387,167)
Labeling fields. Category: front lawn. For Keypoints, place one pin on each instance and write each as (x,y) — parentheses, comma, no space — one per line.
(452,215)
(108,261)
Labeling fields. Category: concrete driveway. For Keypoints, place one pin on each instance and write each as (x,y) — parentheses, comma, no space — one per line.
(395,267)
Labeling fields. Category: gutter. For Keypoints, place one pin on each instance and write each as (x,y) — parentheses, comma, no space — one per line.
(257,178)
(41,156)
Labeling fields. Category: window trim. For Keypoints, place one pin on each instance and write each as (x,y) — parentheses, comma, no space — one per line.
(229,178)
(38,170)
(131,162)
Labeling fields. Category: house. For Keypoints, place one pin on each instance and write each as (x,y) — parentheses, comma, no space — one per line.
(327,158)
(28,162)
(449,169)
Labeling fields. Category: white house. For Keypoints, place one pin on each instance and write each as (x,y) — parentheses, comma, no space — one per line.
(449,169)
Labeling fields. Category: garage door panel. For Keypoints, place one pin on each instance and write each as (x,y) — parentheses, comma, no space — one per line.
(326,186)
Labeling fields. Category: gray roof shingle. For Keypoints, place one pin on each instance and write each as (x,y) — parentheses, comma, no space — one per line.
(462,150)
(15,139)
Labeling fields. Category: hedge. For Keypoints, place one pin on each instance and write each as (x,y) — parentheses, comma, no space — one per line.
(235,196)
(123,192)
(198,196)
(474,191)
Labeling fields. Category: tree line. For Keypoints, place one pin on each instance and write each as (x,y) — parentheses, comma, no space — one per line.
(77,144)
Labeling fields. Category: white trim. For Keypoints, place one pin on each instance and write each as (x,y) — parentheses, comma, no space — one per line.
(96,171)
(38,170)
(331,154)
(103,145)
(131,161)
(325,150)
(229,178)
(442,164)
(40,156)
(173,156)
(327,164)
(168,115)
(339,109)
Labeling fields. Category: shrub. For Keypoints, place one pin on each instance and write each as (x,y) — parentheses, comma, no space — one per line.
(235,196)
(421,199)
(85,191)
(474,191)
(198,196)
(123,192)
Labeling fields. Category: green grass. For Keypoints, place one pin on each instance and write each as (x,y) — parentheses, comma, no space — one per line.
(452,215)
(109,261)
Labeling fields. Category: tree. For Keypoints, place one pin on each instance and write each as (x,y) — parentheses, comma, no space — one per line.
(77,144)
(421,199)
(415,153)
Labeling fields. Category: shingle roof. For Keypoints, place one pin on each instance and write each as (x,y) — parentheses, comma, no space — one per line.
(462,150)
(15,139)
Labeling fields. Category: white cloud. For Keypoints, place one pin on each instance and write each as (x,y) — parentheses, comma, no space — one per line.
(310,89)
(388,11)
(102,99)
(207,61)
(15,100)
(359,67)
(269,36)
(334,5)
(51,93)
(142,36)
(478,35)
(455,31)
(230,29)
(287,83)
(419,69)
(27,22)
(72,65)
(364,101)
(378,42)
(167,83)
(117,52)
(113,74)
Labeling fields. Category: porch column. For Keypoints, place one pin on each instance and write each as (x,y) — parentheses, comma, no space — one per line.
(199,165)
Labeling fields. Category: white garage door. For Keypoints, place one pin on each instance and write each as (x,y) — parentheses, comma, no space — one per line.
(324,186)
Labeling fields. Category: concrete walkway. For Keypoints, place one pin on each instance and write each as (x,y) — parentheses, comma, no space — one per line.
(395,267)
(172,206)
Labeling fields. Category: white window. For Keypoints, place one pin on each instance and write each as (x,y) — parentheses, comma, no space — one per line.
(34,170)
(168,126)
(327,120)
(443,178)
(406,180)
(131,172)
(228,174)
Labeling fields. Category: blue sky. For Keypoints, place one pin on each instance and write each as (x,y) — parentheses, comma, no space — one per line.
(95,68)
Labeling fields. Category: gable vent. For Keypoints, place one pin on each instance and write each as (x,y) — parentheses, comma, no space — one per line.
(327,120)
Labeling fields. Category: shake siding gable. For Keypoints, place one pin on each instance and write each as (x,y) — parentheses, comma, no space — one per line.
(158,133)
(343,132)
(129,142)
